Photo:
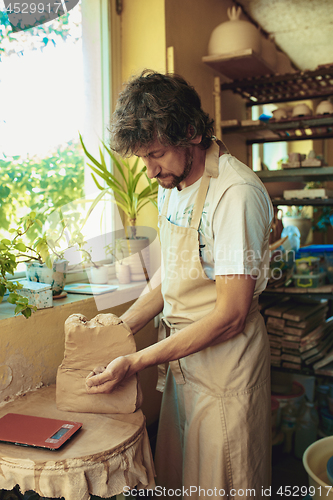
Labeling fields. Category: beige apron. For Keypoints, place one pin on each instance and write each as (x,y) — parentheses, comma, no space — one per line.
(214,429)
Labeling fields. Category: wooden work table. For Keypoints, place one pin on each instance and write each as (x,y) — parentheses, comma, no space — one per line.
(109,453)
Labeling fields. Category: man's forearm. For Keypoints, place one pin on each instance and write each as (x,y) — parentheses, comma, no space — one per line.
(144,309)
(208,331)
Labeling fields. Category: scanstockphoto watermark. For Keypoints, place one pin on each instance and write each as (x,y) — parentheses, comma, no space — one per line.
(161,491)
(26,15)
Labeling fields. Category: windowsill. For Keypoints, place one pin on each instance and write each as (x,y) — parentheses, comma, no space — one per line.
(123,294)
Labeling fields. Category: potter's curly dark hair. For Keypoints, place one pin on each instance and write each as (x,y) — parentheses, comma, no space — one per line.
(157,106)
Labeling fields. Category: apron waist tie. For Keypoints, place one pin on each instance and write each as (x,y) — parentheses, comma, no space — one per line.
(163,332)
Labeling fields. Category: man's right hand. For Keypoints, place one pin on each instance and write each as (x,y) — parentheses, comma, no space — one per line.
(106,379)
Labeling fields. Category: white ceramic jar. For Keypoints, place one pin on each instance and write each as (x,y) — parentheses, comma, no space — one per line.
(234,35)
(324,108)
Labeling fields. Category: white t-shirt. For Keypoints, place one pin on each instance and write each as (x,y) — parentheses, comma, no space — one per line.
(235,223)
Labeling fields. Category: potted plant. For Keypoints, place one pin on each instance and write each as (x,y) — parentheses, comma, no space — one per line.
(130,198)
(44,253)
(123,269)
(45,256)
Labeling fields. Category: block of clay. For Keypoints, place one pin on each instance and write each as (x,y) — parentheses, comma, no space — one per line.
(89,344)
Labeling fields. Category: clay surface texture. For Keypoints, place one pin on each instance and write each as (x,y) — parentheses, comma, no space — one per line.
(89,344)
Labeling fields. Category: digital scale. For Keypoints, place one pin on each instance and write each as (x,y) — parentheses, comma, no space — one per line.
(39,432)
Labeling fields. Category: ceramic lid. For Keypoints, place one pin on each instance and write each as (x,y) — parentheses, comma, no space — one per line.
(34,285)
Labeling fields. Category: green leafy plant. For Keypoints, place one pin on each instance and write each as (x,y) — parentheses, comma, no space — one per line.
(38,37)
(49,246)
(8,264)
(41,183)
(322,219)
(116,251)
(127,194)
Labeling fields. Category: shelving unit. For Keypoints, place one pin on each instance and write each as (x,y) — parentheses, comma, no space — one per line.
(244,63)
(302,174)
(283,88)
(305,174)
(290,129)
(274,89)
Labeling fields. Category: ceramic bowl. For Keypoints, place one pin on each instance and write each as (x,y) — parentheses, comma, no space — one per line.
(279,113)
(315,460)
(301,109)
(324,108)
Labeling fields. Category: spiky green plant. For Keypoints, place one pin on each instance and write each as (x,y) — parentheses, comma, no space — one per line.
(127,195)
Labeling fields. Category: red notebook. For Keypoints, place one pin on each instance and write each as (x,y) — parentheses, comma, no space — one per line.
(40,432)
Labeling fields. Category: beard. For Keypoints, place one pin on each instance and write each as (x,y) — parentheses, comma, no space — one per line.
(177,179)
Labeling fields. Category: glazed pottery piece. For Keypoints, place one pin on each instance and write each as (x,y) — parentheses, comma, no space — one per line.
(56,276)
(324,108)
(301,109)
(234,35)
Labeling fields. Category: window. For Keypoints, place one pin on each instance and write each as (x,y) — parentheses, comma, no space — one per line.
(54,84)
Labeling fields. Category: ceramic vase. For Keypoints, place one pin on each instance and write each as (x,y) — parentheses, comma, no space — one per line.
(56,276)
(136,252)
(99,275)
(123,273)
(234,35)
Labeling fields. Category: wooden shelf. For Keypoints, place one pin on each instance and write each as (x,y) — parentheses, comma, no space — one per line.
(309,127)
(303,202)
(302,174)
(242,64)
(305,370)
(322,292)
(282,88)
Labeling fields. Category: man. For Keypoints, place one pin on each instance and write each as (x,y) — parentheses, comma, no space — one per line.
(214,220)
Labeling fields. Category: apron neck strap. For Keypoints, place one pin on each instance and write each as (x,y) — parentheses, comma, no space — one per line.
(211,170)
(164,211)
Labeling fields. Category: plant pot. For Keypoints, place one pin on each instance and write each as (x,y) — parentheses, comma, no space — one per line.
(111,270)
(123,272)
(56,276)
(302,223)
(99,275)
(136,252)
